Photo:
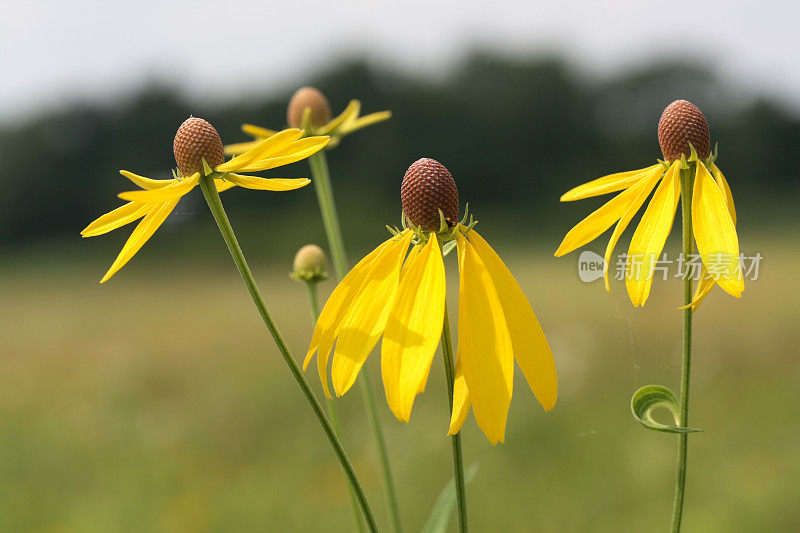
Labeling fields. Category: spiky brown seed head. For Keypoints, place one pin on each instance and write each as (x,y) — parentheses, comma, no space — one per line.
(428,187)
(197,140)
(683,123)
(310,264)
(312,98)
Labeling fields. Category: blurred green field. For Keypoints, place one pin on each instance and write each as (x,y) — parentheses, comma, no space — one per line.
(158,403)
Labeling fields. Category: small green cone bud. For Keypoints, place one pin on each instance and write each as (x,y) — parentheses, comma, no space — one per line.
(196,140)
(310,264)
(308,97)
(682,123)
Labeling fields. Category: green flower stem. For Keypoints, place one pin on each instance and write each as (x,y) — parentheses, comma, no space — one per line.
(680,483)
(368,397)
(312,296)
(215,204)
(458,460)
(330,219)
(321,179)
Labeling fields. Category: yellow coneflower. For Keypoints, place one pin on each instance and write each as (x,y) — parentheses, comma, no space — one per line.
(198,149)
(309,109)
(683,135)
(401,296)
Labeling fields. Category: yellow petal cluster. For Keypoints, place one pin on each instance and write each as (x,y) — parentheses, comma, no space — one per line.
(713,225)
(157,198)
(345,123)
(400,295)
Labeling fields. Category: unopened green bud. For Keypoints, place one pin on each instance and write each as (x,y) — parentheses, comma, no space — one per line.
(310,264)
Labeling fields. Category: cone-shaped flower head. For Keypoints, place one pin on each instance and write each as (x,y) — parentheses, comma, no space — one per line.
(312,99)
(428,188)
(684,138)
(309,110)
(195,140)
(310,264)
(682,124)
(400,296)
(199,155)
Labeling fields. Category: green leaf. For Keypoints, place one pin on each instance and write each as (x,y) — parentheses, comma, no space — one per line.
(207,170)
(445,503)
(651,397)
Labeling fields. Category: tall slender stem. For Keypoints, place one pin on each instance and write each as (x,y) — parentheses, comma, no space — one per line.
(215,204)
(368,398)
(458,460)
(327,207)
(330,219)
(312,297)
(680,483)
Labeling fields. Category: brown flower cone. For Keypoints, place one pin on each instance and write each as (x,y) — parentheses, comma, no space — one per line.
(308,97)
(196,140)
(683,123)
(428,187)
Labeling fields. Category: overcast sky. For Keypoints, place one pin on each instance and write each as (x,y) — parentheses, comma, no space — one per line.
(51,51)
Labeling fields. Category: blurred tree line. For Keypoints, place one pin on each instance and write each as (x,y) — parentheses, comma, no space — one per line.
(515,134)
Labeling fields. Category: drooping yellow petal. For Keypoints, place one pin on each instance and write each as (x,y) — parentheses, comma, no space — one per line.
(306,145)
(413,329)
(367,315)
(173,191)
(335,311)
(223,185)
(363,122)
(707,282)
(267,184)
(257,131)
(424,381)
(531,349)
(117,218)
(643,188)
(600,220)
(484,344)
(726,189)
(146,183)
(349,113)
(413,253)
(649,238)
(704,287)
(294,146)
(715,233)
(415,250)
(607,184)
(155,217)
(294,152)
(240,148)
(461,400)
(261,150)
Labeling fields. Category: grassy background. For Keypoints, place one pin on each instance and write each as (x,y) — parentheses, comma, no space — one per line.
(158,403)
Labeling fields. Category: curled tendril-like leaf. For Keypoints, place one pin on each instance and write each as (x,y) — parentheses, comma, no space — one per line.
(651,397)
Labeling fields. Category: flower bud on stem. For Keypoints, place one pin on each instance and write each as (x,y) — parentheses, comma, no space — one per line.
(330,219)
(215,205)
(310,265)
